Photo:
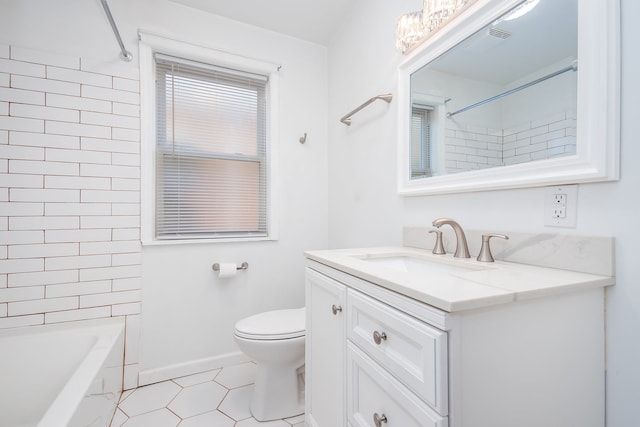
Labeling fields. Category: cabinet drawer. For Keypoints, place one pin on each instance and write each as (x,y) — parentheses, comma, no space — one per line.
(372,390)
(412,351)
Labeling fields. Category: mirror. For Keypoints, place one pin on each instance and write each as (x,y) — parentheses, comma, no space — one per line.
(491,101)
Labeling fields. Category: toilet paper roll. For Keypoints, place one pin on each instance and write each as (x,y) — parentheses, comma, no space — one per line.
(227,269)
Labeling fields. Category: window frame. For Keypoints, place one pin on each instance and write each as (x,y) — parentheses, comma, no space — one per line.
(149,45)
(437,130)
(424,114)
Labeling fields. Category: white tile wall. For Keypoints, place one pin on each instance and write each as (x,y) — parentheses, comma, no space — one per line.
(126,309)
(69,192)
(23,96)
(472,147)
(22,68)
(47,58)
(78,103)
(544,138)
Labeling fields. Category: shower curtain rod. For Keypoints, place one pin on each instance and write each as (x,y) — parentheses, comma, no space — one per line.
(125,55)
(571,67)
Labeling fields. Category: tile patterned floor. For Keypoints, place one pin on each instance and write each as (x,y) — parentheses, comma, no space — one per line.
(218,398)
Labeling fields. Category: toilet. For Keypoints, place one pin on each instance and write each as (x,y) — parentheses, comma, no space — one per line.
(275,341)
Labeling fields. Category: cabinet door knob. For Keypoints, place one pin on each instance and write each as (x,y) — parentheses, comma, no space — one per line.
(379,337)
(335,309)
(379,419)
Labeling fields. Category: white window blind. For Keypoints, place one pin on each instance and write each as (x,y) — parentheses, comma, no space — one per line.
(421,141)
(211,153)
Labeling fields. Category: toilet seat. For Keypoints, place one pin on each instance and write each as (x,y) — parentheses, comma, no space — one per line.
(272,325)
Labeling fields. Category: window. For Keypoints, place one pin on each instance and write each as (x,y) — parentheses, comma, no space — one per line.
(208,147)
(211,151)
(421,141)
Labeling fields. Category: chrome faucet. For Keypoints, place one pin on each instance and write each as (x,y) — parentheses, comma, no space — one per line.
(462,250)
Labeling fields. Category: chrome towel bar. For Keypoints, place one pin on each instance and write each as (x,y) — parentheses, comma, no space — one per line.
(347,118)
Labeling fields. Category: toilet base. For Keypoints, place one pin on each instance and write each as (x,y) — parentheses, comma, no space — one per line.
(275,340)
(276,393)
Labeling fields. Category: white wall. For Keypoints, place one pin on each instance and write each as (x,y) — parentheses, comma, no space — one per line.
(545,98)
(187,313)
(192,313)
(365,210)
(462,92)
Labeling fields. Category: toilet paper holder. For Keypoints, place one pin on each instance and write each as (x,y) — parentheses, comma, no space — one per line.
(243,266)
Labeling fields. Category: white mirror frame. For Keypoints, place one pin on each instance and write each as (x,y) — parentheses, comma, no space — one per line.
(598,106)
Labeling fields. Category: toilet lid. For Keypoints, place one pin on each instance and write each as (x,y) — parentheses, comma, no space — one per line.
(273,325)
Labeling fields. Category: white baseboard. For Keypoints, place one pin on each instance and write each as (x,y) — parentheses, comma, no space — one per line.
(150,376)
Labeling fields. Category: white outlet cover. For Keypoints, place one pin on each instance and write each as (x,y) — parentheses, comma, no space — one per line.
(571,206)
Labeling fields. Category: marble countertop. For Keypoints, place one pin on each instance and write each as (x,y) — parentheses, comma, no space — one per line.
(476,284)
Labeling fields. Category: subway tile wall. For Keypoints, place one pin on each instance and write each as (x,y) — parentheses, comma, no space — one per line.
(552,136)
(69,192)
(473,147)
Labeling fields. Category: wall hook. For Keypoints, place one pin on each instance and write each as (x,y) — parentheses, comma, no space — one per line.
(303,138)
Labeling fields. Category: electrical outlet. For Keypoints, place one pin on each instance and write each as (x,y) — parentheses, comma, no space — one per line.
(559,212)
(560,206)
(560,199)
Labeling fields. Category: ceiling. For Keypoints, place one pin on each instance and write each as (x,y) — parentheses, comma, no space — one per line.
(544,36)
(311,20)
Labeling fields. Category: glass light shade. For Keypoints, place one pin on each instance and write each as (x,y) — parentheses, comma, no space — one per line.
(436,12)
(412,27)
(409,31)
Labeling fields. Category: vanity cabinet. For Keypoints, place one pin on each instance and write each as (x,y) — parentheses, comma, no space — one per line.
(389,360)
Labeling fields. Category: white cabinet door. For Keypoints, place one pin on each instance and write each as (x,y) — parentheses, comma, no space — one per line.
(325,351)
(376,399)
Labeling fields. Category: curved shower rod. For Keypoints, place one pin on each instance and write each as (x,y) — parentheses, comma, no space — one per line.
(347,118)
(125,55)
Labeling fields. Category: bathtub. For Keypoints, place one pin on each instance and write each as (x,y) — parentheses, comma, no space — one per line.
(61,375)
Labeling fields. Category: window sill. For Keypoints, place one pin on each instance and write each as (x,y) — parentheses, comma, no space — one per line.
(146,242)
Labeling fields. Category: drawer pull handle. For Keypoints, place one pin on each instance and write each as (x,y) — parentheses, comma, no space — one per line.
(379,419)
(379,337)
(335,309)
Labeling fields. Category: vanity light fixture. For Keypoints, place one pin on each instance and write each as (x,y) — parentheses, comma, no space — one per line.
(413,27)
(520,10)
(409,31)
(437,12)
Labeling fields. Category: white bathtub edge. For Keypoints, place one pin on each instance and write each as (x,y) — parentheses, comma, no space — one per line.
(66,403)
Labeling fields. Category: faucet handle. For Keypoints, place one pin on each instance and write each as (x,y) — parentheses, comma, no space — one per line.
(485,250)
(438,248)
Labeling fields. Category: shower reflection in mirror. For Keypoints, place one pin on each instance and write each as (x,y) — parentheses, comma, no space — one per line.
(504,96)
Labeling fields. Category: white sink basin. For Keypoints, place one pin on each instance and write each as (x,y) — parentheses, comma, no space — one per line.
(419,266)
